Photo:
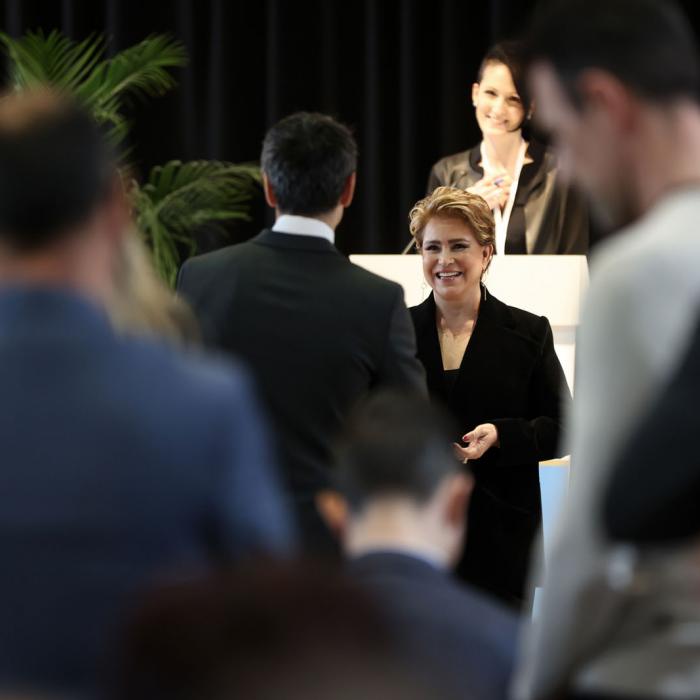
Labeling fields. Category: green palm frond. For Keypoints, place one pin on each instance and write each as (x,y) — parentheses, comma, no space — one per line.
(139,70)
(39,60)
(80,69)
(180,198)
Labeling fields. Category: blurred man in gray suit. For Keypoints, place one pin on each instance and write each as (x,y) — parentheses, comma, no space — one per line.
(616,82)
(122,461)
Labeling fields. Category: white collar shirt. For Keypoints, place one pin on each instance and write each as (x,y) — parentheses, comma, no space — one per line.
(304,226)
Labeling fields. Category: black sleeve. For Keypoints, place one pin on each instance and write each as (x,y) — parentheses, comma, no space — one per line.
(183,283)
(536,437)
(654,491)
(400,367)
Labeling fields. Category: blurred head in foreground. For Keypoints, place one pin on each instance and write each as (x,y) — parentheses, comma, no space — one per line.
(399,483)
(62,208)
(616,83)
(273,631)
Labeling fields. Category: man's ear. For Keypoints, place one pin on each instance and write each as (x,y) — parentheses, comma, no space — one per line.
(603,92)
(270,197)
(334,511)
(348,190)
(475,93)
(457,501)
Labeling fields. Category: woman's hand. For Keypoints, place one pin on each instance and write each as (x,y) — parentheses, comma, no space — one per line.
(481,439)
(495,189)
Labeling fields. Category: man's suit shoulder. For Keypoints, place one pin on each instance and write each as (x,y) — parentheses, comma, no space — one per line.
(235,254)
(220,257)
(373,281)
(427,587)
(188,373)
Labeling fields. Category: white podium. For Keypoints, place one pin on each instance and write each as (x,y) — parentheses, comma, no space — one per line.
(547,285)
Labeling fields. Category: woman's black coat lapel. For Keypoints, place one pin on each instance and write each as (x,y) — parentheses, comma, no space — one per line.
(484,362)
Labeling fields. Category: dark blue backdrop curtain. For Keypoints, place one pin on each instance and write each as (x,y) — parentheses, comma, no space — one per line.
(398,71)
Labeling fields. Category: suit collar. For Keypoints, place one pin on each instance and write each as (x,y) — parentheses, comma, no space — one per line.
(492,312)
(275,239)
(303,226)
(494,318)
(394,561)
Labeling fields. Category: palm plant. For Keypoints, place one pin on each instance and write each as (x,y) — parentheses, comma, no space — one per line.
(80,69)
(177,198)
(180,198)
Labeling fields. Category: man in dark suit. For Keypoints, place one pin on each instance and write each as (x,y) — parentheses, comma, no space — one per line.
(317,331)
(400,509)
(122,461)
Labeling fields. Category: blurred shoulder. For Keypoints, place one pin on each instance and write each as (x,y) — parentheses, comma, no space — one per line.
(190,374)
(452,161)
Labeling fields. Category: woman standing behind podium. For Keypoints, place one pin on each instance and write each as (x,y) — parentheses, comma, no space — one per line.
(495,369)
(534,212)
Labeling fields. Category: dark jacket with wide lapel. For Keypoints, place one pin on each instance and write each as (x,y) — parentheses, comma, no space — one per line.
(463,639)
(318,333)
(510,376)
(548,217)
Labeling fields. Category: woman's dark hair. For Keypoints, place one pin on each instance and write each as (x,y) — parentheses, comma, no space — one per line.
(513,56)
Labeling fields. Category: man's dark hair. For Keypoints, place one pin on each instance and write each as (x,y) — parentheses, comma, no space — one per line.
(55,165)
(308,158)
(395,444)
(646,44)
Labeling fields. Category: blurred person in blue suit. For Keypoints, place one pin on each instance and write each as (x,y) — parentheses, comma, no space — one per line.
(124,462)
(400,511)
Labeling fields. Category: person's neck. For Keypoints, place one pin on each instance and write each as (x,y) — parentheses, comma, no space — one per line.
(457,313)
(331,218)
(502,151)
(64,266)
(394,525)
(670,158)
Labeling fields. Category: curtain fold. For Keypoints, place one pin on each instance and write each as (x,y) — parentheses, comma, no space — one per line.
(399,72)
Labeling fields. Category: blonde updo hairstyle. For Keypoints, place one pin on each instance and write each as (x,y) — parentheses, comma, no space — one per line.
(454,203)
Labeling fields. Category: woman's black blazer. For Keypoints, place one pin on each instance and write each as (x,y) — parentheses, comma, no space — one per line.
(509,376)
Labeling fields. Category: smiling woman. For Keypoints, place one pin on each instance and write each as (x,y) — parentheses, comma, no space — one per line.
(495,368)
(533,211)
